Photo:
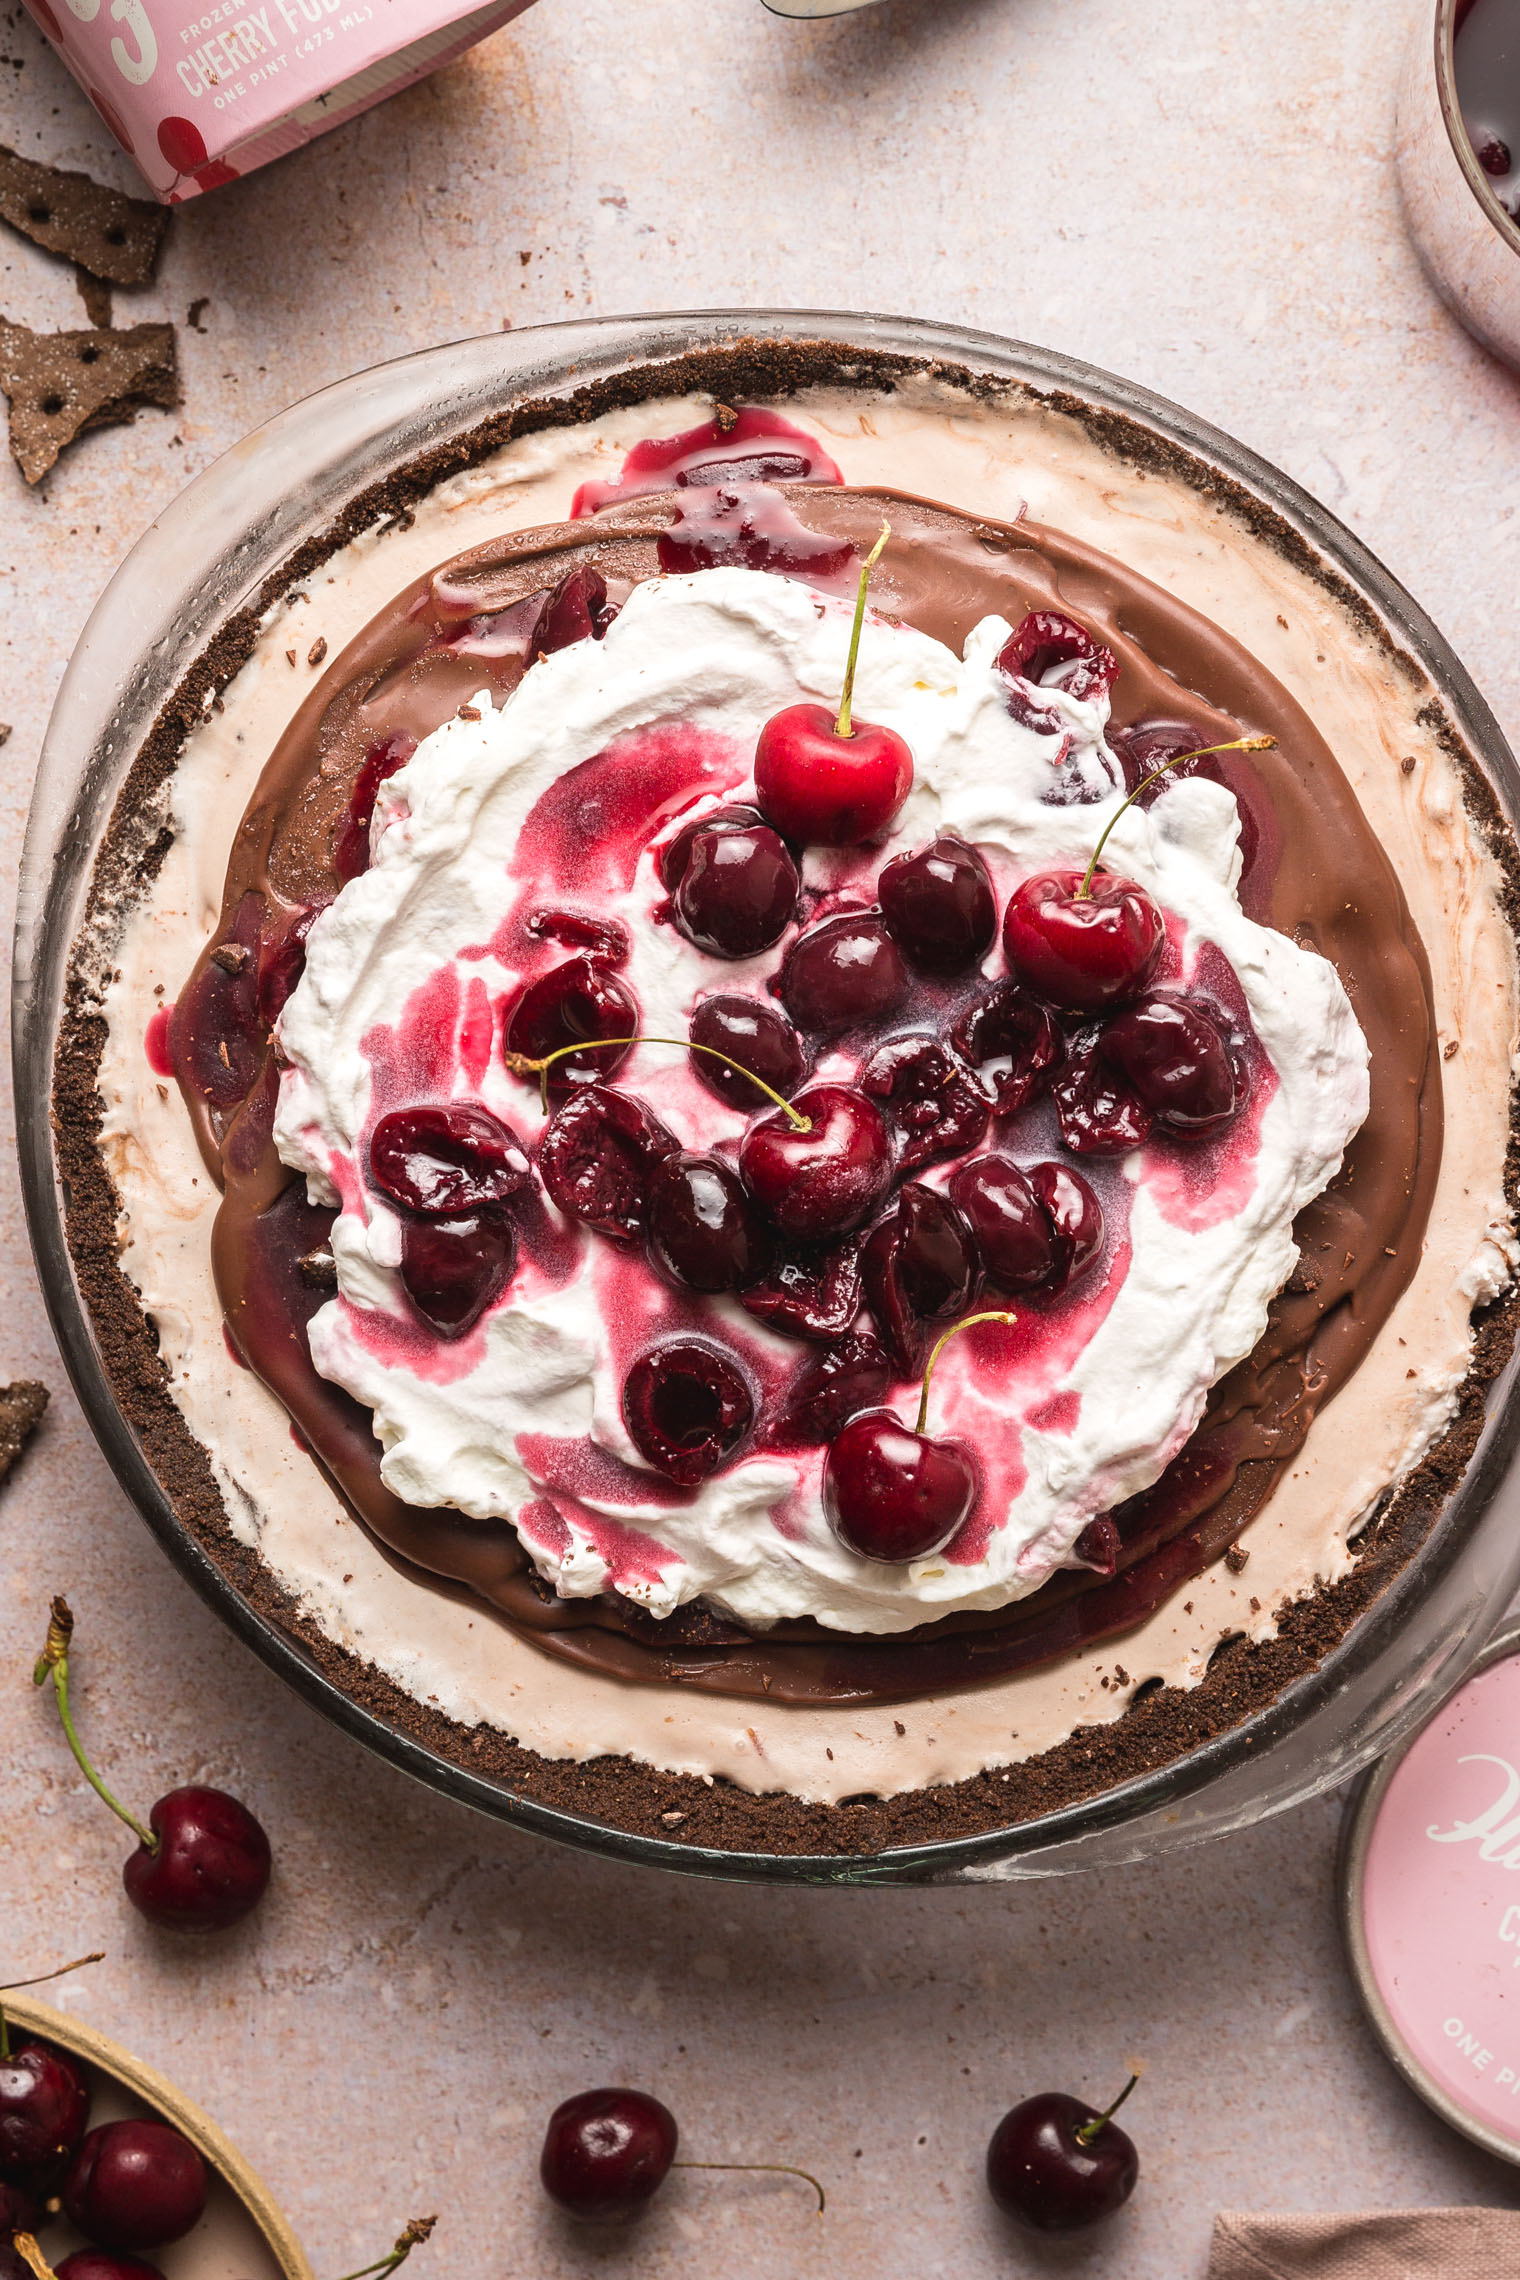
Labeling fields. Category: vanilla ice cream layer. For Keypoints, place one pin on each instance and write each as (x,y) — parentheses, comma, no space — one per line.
(987,459)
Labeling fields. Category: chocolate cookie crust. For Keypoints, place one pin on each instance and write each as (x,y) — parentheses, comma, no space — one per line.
(1164,1723)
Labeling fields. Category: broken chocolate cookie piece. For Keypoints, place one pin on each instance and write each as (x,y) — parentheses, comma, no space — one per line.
(112,236)
(21,1407)
(58,384)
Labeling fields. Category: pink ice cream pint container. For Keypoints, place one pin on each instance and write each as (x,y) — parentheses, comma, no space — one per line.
(200,95)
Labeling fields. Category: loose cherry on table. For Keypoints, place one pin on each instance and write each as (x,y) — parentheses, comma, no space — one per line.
(939,906)
(844,973)
(687,1406)
(823,778)
(606,2154)
(203,1861)
(734,884)
(821,1165)
(1088,940)
(896,1495)
(135,2184)
(1056,2166)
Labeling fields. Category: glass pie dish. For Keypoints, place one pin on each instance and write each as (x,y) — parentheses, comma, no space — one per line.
(247,519)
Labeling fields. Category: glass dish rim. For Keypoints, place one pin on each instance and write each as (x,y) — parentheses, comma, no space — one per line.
(350,434)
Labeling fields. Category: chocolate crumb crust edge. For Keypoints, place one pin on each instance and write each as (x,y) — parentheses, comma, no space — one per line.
(1163,1723)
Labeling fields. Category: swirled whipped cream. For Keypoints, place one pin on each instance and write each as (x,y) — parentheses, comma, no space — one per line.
(561,797)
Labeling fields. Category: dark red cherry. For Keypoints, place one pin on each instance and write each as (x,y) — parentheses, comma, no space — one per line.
(1099,1113)
(606,941)
(847,973)
(1053,2170)
(813,1294)
(825,790)
(598,1159)
(703,1229)
(101,2264)
(827,1391)
(687,1407)
(135,2184)
(1493,154)
(1074,1213)
(446,1158)
(892,1494)
(1053,651)
(571,1003)
(939,906)
(1172,1052)
(1014,1236)
(576,610)
(919,1268)
(930,1103)
(758,1038)
(1144,746)
(351,844)
(738,890)
(1011,1042)
(828,1179)
(19,2210)
(454,1269)
(211,1868)
(673,858)
(1083,953)
(44,2105)
(607,2153)
(1098,1546)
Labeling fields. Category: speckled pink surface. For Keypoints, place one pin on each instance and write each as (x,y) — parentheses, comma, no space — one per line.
(1199,197)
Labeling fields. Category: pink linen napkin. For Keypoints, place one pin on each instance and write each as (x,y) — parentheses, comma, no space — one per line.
(1387,2244)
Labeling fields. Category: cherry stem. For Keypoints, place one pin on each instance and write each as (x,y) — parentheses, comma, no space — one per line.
(1089,2130)
(524,1065)
(771,2168)
(842,722)
(31,2256)
(419,2230)
(969,1322)
(53,1662)
(1239,744)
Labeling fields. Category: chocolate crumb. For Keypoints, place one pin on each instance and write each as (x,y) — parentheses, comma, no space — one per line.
(1235,1558)
(290,656)
(5,732)
(317,651)
(59,384)
(1256,1607)
(114,237)
(21,1407)
(727,417)
(469,712)
(96,296)
(1449,1049)
(898,1726)
(232,957)
(196,311)
(1282,621)
(319,1269)
(1407,764)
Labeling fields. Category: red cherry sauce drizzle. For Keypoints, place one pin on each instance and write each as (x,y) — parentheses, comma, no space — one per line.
(750,528)
(1200,1184)
(754,446)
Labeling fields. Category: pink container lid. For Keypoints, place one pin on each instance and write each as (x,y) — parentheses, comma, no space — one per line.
(1432,1904)
(199,98)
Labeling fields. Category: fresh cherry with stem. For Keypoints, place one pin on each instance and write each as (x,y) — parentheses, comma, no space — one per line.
(825,779)
(896,1495)
(1090,940)
(607,2153)
(1057,2166)
(203,1861)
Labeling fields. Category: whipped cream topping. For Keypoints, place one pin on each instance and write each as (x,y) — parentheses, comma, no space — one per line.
(521,1419)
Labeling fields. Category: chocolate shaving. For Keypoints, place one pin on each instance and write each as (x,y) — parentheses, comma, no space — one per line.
(21,1407)
(59,384)
(112,236)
